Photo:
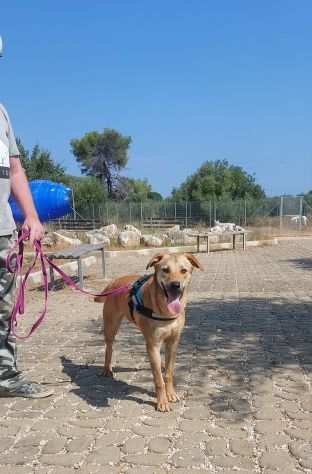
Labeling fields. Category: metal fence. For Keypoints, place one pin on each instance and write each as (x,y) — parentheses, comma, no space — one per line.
(284,212)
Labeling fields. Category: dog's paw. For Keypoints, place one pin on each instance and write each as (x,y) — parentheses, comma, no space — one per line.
(108,373)
(163,405)
(172,396)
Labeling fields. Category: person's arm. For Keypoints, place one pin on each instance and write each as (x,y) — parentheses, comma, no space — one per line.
(21,192)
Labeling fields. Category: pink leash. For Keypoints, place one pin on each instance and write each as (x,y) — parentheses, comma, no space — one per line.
(16,268)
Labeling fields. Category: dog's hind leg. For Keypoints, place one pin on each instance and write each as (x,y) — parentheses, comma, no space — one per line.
(111,325)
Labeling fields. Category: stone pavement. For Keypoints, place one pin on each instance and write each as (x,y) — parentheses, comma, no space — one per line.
(244,373)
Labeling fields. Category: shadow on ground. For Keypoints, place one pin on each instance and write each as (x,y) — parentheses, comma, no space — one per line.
(302,263)
(98,390)
(229,350)
(239,345)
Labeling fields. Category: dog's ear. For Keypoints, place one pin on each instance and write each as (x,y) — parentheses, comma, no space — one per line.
(155,260)
(193,260)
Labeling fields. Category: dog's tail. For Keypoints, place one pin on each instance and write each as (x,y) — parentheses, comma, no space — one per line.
(111,289)
(100,299)
(117,287)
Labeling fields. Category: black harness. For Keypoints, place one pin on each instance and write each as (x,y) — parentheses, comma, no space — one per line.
(136,303)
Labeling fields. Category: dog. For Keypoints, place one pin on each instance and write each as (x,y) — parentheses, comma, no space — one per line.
(156,304)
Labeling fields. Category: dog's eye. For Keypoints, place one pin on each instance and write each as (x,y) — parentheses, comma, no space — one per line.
(166,270)
(183,270)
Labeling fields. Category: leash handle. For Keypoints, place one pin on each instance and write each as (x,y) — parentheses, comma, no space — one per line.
(16,269)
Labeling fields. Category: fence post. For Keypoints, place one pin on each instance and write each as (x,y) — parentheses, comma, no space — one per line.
(214,211)
(186,213)
(74,205)
(300,213)
(117,213)
(210,209)
(93,216)
(281,212)
(130,213)
(245,213)
(141,213)
(106,206)
(175,211)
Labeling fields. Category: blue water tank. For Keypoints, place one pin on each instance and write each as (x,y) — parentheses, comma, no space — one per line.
(52,200)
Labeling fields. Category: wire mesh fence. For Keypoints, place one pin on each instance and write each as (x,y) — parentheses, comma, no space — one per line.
(283,213)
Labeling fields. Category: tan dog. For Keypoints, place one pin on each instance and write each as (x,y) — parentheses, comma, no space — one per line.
(165,294)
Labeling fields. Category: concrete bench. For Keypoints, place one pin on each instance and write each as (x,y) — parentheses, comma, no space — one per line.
(208,235)
(76,252)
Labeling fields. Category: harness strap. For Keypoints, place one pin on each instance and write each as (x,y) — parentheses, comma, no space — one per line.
(137,305)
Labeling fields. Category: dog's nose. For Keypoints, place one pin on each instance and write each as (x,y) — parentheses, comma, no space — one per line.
(175,285)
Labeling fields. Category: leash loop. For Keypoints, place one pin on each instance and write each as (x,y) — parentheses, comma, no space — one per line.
(14,264)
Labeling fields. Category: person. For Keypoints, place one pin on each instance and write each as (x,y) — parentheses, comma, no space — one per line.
(12,178)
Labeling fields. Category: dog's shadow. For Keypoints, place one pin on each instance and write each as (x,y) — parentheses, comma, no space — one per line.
(97,390)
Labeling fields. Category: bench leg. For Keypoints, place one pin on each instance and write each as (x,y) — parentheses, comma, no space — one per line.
(103,263)
(208,245)
(244,241)
(234,241)
(198,244)
(80,272)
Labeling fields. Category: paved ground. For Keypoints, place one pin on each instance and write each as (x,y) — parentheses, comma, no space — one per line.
(244,373)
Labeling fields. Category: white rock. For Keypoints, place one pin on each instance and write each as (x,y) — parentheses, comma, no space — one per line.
(110,231)
(152,240)
(297,219)
(173,230)
(216,229)
(98,238)
(49,239)
(163,237)
(129,239)
(66,239)
(131,228)
(221,227)
(181,237)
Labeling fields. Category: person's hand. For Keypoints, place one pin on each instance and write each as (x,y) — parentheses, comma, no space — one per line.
(35,228)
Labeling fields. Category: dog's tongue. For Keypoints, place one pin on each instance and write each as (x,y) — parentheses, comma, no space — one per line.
(174,304)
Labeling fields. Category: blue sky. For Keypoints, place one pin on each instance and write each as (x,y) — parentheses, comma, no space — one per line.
(189,80)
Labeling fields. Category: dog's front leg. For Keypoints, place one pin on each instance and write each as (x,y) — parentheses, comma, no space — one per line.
(171,351)
(160,389)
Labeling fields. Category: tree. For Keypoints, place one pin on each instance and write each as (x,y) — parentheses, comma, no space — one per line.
(135,190)
(24,156)
(154,196)
(102,155)
(39,165)
(140,189)
(218,179)
(87,191)
(307,197)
